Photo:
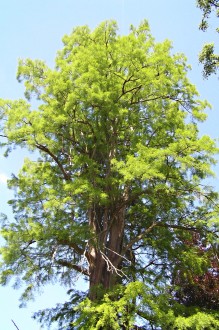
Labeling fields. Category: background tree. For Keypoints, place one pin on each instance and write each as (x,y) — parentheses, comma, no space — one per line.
(200,290)
(117,189)
(208,57)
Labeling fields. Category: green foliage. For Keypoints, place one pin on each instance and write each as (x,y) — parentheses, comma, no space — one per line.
(120,308)
(115,310)
(117,189)
(207,6)
(209,60)
(197,321)
(207,57)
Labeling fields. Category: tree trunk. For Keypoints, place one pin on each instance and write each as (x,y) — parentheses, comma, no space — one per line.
(105,255)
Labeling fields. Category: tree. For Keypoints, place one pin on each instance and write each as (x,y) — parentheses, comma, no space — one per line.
(200,290)
(207,57)
(117,189)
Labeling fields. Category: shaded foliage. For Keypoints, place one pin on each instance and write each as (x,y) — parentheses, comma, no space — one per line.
(201,290)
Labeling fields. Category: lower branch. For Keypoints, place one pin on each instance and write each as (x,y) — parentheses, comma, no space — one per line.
(78,268)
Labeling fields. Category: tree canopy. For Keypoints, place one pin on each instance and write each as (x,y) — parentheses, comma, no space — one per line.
(117,187)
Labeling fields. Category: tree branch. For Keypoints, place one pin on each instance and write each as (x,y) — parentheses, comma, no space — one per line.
(139,237)
(214,3)
(159,224)
(45,149)
(71,245)
(78,268)
(151,99)
(15,325)
(147,230)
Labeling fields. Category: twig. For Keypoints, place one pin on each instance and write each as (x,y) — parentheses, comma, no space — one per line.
(118,255)
(15,324)
(110,267)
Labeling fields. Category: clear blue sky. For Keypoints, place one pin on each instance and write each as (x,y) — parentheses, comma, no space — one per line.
(34,29)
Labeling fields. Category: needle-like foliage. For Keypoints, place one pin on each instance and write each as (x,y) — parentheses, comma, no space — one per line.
(119,185)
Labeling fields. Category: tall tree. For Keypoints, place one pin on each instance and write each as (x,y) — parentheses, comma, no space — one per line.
(117,189)
(208,57)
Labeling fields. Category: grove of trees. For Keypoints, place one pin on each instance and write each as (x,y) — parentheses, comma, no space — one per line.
(116,191)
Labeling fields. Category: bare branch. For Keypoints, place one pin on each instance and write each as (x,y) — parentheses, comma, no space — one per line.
(111,267)
(15,325)
(118,254)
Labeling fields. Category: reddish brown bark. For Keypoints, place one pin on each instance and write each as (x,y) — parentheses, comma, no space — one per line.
(105,252)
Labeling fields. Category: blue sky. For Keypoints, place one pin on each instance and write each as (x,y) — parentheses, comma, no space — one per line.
(34,29)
